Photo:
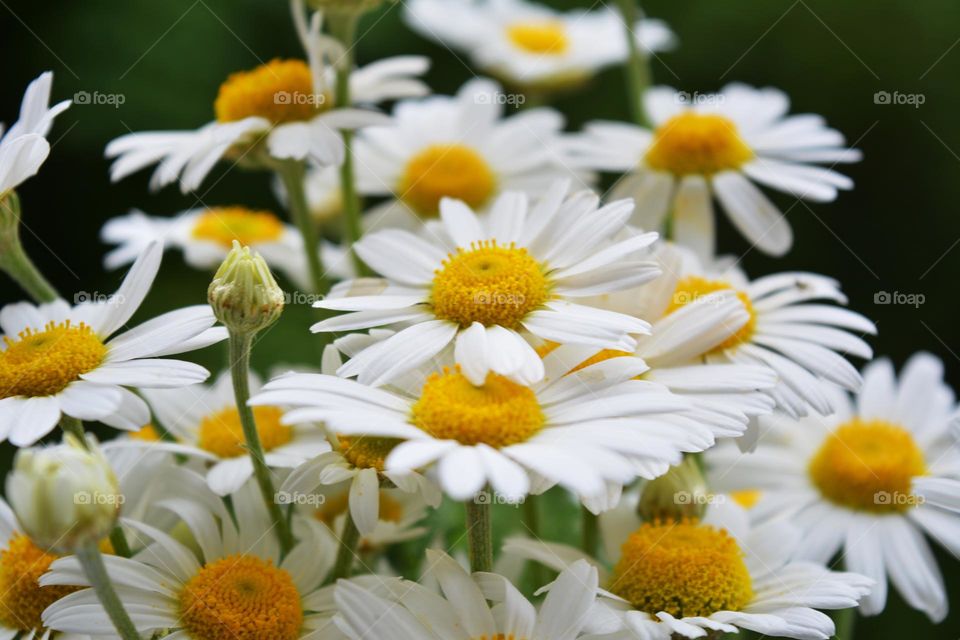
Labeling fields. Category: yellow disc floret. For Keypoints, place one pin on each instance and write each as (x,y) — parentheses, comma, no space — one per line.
(693,288)
(489,284)
(684,568)
(333,507)
(241,598)
(43,363)
(146,433)
(279,91)
(446,171)
(498,414)
(547,37)
(222,432)
(22,599)
(697,143)
(868,465)
(366,452)
(223,225)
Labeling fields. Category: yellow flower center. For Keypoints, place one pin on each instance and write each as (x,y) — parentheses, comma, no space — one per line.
(241,598)
(868,465)
(43,363)
(223,225)
(683,568)
(746,498)
(146,433)
(695,143)
(692,288)
(390,510)
(367,452)
(222,433)
(22,599)
(446,171)
(499,413)
(489,284)
(279,91)
(547,37)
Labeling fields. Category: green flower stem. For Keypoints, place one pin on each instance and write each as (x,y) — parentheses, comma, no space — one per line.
(14,260)
(119,543)
(292,173)
(845,620)
(92,562)
(479,535)
(637,66)
(343,27)
(590,534)
(69,424)
(349,537)
(531,519)
(240,345)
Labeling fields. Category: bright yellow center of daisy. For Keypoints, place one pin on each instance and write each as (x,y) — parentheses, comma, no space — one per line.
(683,568)
(489,284)
(498,414)
(22,599)
(868,465)
(279,91)
(241,598)
(746,498)
(43,363)
(446,171)
(695,143)
(366,452)
(222,433)
(146,433)
(390,510)
(692,288)
(223,225)
(547,37)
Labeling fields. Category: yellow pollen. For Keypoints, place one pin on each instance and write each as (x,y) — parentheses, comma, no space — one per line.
(223,225)
(147,433)
(43,363)
(683,568)
(746,498)
(241,598)
(280,91)
(22,599)
(498,414)
(446,171)
(367,452)
(692,288)
(222,433)
(390,510)
(868,465)
(546,37)
(489,284)
(695,143)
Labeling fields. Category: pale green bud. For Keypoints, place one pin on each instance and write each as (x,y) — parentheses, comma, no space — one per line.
(244,295)
(65,496)
(680,493)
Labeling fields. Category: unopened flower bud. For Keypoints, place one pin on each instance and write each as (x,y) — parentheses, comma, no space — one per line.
(9,213)
(65,496)
(244,295)
(680,493)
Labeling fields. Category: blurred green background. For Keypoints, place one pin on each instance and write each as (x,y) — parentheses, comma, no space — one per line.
(898,231)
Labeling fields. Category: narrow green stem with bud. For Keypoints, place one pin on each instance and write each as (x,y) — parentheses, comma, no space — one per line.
(92,562)
(292,173)
(590,532)
(637,65)
(349,537)
(479,535)
(531,519)
(14,260)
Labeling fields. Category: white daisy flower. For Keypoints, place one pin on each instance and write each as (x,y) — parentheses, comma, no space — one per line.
(458,147)
(691,579)
(855,481)
(205,425)
(283,108)
(532,45)
(462,611)
(718,146)
(502,278)
(234,585)
(582,431)
(61,360)
(24,147)
(206,235)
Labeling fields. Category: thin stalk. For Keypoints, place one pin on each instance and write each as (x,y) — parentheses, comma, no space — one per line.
(292,174)
(72,425)
(119,543)
(479,535)
(590,533)
(349,537)
(343,27)
(14,260)
(92,562)
(845,621)
(637,65)
(240,373)
(531,518)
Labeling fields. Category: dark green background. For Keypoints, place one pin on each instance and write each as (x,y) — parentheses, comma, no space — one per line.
(896,231)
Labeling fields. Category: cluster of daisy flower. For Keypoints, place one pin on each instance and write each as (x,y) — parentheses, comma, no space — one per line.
(496,331)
